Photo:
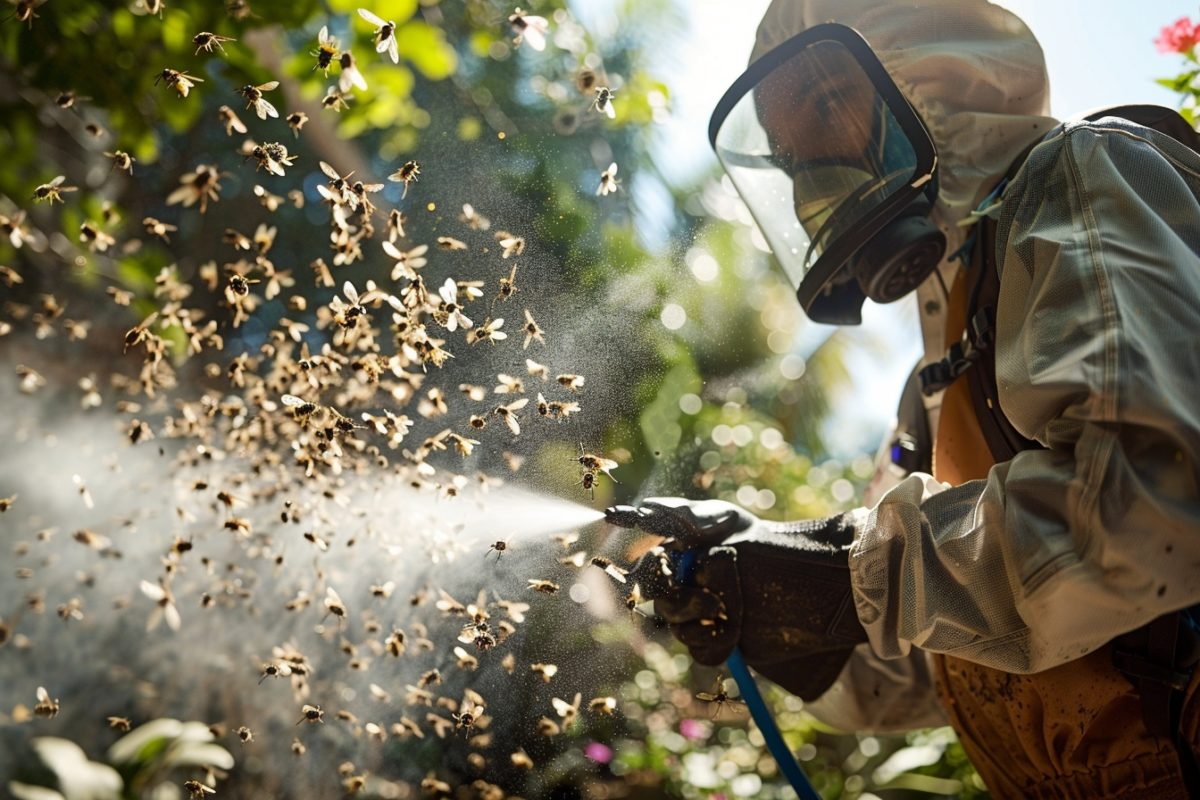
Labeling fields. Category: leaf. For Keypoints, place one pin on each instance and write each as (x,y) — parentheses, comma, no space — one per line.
(25,791)
(425,46)
(78,777)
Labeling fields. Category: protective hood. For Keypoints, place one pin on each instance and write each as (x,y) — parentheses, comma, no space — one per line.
(972,71)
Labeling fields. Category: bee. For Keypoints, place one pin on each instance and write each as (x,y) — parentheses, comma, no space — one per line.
(488,331)
(634,599)
(196,790)
(465,660)
(450,243)
(298,748)
(24,11)
(548,727)
(430,678)
(576,559)
(521,759)
(536,370)
(46,707)
(300,408)
(396,221)
(449,605)
(479,633)
(338,190)
(605,706)
(335,99)
(508,286)
(528,28)
(164,605)
(561,409)
(385,35)
(543,586)
(588,481)
(508,384)
(499,546)
(96,239)
(158,228)
(719,697)
(462,445)
(153,7)
(334,605)
(594,463)
(473,219)
(567,711)
(603,102)
(510,245)
(254,97)
(407,174)
(68,99)
(477,422)
(297,120)
(119,724)
(475,393)
(569,381)
(614,572)
(509,415)
(468,718)
(311,714)
(7,502)
(608,181)
(327,50)
(121,160)
(350,75)
(275,670)
(532,330)
(347,315)
(273,156)
(49,192)
(181,82)
(230,120)
(207,41)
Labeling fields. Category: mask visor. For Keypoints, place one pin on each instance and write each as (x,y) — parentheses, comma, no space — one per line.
(824,150)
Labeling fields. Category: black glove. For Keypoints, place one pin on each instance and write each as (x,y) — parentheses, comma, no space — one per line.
(780,591)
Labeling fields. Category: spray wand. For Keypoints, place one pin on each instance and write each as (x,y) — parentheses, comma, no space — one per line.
(683,563)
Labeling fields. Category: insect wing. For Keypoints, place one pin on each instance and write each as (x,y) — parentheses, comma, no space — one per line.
(392,50)
(535,34)
(371,18)
(616,573)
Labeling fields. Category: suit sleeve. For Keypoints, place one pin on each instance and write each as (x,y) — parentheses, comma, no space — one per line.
(1097,357)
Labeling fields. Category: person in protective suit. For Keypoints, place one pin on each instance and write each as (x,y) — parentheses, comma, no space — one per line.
(1032,600)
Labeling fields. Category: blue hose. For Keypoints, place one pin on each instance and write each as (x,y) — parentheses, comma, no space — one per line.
(684,564)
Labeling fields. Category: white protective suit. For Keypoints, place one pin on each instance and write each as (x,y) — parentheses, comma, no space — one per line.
(1062,549)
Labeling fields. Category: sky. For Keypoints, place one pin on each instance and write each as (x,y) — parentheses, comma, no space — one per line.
(1098,53)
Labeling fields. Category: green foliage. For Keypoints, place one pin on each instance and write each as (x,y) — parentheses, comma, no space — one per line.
(138,763)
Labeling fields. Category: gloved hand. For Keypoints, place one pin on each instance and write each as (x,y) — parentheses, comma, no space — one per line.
(779,591)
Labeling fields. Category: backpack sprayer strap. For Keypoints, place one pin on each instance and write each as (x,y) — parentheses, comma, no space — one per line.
(684,565)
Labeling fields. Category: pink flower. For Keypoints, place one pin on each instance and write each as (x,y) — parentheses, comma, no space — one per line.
(1178,37)
(598,752)
(691,729)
